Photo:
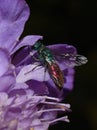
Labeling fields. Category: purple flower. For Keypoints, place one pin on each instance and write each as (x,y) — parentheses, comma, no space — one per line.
(27,102)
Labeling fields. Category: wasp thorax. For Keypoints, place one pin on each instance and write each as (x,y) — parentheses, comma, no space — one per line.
(37,45)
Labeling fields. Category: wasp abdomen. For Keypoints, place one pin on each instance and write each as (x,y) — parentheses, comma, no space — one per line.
(56,74)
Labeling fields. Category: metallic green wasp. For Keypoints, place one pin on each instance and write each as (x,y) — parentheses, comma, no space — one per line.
(49,61)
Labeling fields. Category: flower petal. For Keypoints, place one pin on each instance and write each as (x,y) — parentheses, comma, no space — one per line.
(69,78)
(3,98)
(4,61)
(13,16)
(62,48)
(30,72)
(39,126)
(6,82)
(38,87)
(22,57)
(27,41)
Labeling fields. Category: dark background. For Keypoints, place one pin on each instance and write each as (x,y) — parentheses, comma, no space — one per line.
(73,22)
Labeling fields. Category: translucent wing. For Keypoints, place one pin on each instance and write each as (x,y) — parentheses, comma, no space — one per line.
(80,60)
(67,54)
(73,60)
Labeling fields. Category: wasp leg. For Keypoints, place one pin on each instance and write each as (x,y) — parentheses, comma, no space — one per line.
(33,68)
(45,70)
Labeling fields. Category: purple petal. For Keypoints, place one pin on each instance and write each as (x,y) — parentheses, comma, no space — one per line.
(69,79)
(53,90)
(4,61)
(6,82)
(17,92)
(39,126)
(27,41)
(32,72)
(24,124)
(13,15)
(62,48)
(3,98)
(39,88)
(22,57)
(20,86)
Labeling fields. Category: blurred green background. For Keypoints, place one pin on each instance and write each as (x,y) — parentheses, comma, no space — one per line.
(73,22)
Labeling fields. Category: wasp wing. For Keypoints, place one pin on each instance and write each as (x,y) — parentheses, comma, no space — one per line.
(67,54)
